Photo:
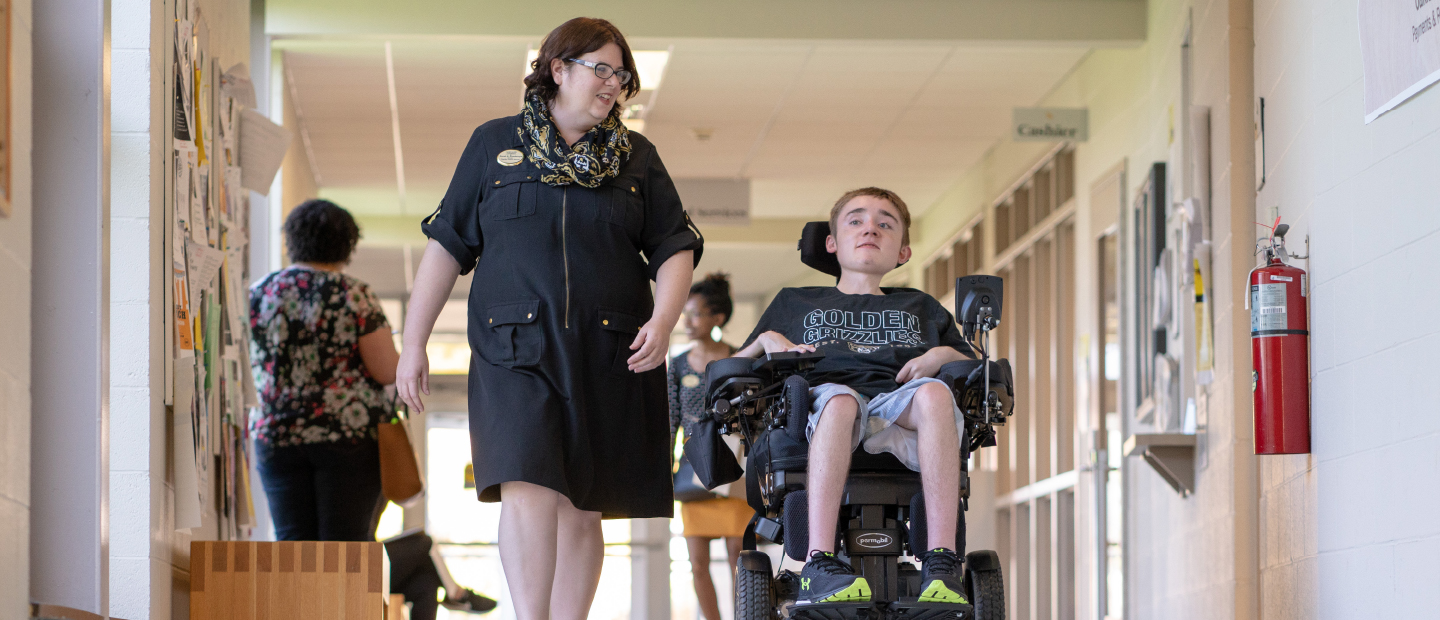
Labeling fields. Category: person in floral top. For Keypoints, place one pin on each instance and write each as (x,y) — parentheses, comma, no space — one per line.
(321,353)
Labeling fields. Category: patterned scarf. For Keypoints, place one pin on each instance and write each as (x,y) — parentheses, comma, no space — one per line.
(596,158)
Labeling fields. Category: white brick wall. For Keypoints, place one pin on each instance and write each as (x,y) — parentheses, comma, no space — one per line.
(137,430)
(1358,515)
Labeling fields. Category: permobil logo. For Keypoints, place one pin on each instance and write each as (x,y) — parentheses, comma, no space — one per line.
(874,541)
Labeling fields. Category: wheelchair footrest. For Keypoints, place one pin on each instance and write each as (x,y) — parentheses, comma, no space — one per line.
(902,610)
(835,611)
(911,610)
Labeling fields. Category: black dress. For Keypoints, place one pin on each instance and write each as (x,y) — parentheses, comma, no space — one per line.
(561,289)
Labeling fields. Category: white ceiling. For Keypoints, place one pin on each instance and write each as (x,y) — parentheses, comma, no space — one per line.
(806,121)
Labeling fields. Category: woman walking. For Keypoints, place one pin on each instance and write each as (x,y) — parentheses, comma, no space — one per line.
(321,353)
(564,215)
(708,309)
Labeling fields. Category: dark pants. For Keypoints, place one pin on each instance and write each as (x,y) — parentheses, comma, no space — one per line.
(413,573)
(322,491)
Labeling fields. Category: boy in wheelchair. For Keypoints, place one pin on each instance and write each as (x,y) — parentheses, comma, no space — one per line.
(875,387)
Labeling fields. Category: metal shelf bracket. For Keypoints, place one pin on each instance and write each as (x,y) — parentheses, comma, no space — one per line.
(1172,455)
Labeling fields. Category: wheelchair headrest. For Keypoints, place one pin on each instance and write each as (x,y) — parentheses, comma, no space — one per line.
(812,249)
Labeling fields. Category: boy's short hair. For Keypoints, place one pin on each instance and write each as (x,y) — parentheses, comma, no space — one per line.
(874,192)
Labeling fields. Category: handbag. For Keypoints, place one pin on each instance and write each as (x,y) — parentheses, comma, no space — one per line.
(710,457)
(400,479)
(687,485)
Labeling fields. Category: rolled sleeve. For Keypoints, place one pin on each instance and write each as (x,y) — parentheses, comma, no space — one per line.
(668,229)
(455,224)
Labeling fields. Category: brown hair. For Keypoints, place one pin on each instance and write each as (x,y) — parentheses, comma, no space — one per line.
(874,192)
(574,39)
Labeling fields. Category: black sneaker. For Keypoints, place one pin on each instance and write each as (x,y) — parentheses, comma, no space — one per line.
(940,578)
(470,602)
(825,579)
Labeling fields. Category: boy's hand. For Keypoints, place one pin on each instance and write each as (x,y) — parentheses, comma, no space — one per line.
(927,365)
(773,342)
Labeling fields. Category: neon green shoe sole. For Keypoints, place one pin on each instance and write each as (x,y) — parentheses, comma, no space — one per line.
(857,592)
(938,592)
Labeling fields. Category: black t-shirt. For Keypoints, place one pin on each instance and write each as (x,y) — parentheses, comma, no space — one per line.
(866,339)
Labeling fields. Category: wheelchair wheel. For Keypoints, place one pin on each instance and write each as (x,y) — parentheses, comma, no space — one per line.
(797,407)
(754,592)
(986,586)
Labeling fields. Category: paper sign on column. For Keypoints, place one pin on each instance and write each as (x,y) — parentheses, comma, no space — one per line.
(184,330)
(197,207)
(236,83)
(262,149)
(205,262)
(237,307)
(187,479)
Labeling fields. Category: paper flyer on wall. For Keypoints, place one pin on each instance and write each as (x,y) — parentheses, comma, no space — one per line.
(197,209)
(187,479)
(236,83)
(237,306)
(205,263)
(184,330)
(262,148)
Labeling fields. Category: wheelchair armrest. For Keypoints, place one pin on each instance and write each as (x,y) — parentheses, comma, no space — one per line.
(965,377)
(961,374)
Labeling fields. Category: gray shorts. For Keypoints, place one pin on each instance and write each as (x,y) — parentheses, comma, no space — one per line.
(875,426)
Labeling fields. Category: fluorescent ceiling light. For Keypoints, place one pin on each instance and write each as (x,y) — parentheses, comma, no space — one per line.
(649,64)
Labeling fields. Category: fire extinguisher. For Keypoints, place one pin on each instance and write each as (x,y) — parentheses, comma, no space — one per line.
(1280,350)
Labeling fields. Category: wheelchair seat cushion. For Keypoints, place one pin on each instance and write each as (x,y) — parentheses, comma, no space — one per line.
(863,461)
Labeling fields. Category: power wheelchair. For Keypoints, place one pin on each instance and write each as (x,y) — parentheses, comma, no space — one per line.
(882,517)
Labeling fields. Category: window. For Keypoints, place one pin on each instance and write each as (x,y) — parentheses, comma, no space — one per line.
(1035,460)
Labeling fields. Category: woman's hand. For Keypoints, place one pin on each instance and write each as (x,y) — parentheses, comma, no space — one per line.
(433,281)
(412,377)
(650,345)
(671,283)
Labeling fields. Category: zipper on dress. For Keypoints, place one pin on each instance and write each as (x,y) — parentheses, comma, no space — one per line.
(565,251)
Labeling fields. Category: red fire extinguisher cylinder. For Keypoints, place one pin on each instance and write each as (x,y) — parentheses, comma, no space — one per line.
(1280,350)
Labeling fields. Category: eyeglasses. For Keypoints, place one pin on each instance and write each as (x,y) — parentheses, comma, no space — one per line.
(604,71)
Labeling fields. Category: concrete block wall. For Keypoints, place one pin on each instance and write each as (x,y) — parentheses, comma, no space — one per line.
(141,499)
(15,245)
(1357,515)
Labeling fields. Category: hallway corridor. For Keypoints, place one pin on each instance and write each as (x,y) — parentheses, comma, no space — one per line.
(1120,164)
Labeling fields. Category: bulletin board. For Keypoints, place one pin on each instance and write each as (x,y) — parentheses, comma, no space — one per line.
(207,211)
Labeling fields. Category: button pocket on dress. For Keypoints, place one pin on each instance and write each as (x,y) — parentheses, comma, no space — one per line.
(626,206)
(621,328)
(510,337)
(512,194)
